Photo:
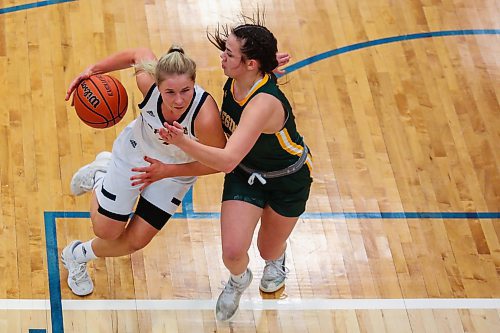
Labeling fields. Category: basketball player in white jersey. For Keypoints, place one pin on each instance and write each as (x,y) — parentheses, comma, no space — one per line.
(170,94)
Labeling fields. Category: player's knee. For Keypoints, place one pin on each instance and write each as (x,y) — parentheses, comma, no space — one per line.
(106,233)
(106,230)
(233,252)
(106,227)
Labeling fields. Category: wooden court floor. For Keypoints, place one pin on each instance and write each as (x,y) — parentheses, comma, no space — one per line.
(399,102)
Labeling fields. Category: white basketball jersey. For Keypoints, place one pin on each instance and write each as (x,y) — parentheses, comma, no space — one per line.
(146,127)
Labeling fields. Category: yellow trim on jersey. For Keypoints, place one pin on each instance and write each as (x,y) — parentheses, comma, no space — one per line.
(291,147)
(287,143)
(309,162)
(262,82)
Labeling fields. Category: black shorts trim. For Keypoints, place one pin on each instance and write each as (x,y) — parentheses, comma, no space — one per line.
(107,194)
(114,216)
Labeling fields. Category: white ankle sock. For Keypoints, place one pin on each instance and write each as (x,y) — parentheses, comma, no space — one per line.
(241,278)
(83,252)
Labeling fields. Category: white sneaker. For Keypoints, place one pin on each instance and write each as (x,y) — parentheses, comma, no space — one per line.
(79,281)
(83,180)
(274,275)
(229,299)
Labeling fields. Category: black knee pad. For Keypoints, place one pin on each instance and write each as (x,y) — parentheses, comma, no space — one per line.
(152,214)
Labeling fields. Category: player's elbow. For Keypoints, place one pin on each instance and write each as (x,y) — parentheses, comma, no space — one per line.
(141,54)
(228,168)
(229,165)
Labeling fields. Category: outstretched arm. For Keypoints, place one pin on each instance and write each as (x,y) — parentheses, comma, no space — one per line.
(263,114)
(158,170)
(121,60)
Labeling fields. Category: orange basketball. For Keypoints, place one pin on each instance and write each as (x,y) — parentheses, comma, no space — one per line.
(100,101)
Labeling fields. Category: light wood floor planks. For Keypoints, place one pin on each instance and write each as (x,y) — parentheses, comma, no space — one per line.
(410,125)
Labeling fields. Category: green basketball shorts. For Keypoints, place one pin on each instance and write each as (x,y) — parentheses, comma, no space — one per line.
(286,195)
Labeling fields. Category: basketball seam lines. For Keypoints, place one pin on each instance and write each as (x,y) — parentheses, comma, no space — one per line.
(121,113)
(105,101)
(80,98)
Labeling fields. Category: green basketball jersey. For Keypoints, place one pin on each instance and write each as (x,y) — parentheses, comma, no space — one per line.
(271,151)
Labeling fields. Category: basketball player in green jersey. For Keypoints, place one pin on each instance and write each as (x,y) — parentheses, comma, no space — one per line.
(267,164)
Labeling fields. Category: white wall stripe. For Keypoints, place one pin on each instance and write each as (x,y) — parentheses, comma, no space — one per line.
(259,304)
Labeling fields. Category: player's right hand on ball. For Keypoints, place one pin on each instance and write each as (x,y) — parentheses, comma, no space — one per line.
(84,75)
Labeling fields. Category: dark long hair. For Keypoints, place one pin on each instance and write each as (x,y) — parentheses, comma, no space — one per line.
(257,42)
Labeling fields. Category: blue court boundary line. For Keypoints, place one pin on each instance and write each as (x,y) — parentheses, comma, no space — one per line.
(187,204)
(387,40)
(31,5)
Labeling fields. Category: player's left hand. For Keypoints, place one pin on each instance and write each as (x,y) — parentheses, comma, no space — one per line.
(147,175)
(172,134)
(283,59)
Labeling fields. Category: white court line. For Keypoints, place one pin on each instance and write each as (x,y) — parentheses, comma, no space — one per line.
(24,304)
(260,304)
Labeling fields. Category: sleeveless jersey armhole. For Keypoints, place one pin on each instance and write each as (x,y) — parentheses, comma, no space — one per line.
(287,116)
(147,97)
(197,110)
(286,111)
